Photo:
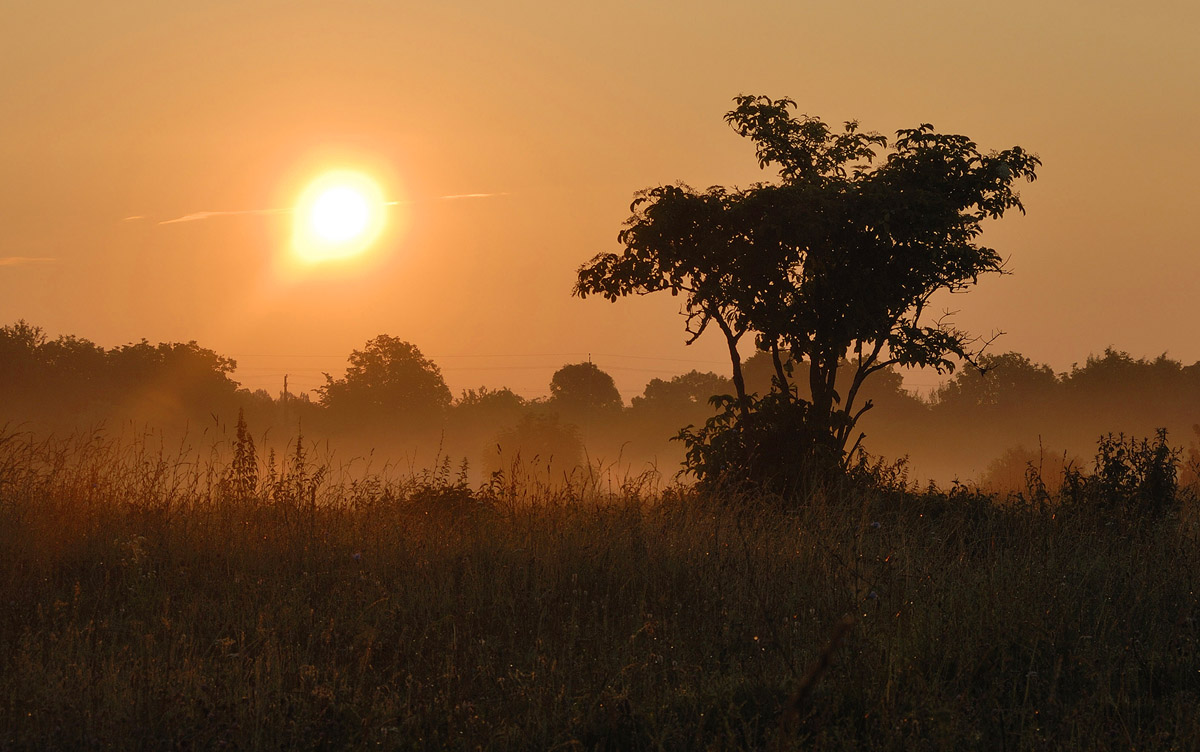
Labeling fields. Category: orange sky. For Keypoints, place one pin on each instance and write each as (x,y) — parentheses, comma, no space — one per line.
(561,111)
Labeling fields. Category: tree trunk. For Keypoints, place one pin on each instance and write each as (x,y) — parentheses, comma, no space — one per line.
(780,376)
(822,380)
(739,383)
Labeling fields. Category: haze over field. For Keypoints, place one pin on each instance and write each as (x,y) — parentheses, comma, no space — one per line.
(530,375)
(509,139)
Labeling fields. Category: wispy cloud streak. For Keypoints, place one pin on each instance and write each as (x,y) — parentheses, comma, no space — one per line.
(455,196)
(197,216)
(26,260)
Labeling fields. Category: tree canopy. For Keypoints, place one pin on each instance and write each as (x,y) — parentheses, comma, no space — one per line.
(68,375)
(388,380)
(1000,382)
(681,393)
(582,390)
(838,259)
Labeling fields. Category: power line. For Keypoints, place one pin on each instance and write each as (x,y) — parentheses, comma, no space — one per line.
(501,355)
(496,366)
(673,360)
(345,356)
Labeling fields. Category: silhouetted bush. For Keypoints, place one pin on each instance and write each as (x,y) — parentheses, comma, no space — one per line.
(1133,478)
(769,449)
(445,492)
(880,475)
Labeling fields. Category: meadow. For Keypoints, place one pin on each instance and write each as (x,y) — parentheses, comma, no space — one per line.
(168,597)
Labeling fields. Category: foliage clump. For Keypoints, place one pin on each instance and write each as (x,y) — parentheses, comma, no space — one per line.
(1132,479)
(833,266)
(389,380)
(145,608)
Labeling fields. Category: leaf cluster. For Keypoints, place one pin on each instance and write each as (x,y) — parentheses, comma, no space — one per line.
(837,253)
(1133,478)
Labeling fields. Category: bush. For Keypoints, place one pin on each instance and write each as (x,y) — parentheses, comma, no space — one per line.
(1135,478)
(772,449)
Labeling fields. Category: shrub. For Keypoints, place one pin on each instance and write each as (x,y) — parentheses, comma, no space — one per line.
(1132,477)
(772,448)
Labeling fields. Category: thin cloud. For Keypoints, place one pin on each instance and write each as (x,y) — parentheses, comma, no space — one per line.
(26,260)
(471,195)
(196,216)
(134,217)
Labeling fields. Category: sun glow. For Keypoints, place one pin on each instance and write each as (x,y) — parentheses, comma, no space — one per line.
(339,215)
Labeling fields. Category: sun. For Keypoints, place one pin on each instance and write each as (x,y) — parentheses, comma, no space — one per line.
(339,215)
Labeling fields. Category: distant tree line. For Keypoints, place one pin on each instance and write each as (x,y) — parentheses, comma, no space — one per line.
(392,392)
(1013,402)
(69,377)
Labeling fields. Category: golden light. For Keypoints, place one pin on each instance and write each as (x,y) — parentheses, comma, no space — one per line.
(339,215)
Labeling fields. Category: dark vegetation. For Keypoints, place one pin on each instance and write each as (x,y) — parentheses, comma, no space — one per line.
(169,599)
(985,425)
(185,564)
(834,267)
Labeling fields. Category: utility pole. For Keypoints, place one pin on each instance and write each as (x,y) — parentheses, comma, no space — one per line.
(285,398)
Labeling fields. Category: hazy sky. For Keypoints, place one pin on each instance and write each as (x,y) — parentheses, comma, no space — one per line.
(560,111)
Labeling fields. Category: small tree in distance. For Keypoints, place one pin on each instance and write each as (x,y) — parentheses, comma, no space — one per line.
(839,259)
(582,390)
(388,380)
(683,393)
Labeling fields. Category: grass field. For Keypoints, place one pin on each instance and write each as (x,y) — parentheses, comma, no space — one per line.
(154,599)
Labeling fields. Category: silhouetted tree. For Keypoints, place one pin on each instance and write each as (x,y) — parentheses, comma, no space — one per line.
(485,411)
(75,373)
(667,406)
(63,379)
(999,381)
(839,258)
(20,338)
(1117,371)
(74,359)
(682,394)
(388,381)
(500,403)
(173,376)
(20,361)
(583,391)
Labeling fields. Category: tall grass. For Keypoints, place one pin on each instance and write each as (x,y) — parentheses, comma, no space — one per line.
(150,601)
